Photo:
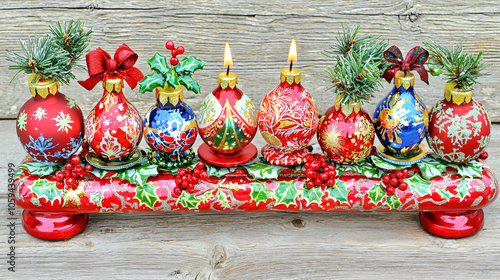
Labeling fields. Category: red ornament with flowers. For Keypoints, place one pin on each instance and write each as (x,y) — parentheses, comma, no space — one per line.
(114,127)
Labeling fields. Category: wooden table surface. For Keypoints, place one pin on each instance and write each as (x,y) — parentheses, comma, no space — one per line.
(251,245)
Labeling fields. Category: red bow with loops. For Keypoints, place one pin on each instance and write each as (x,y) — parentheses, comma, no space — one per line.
(414,60)
(102,67)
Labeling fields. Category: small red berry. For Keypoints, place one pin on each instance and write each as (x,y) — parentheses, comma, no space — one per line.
(315,165)
(318,182)
(309,158)
(310,184)
(399,174)
(67,173)
(194,180)
(169,45)
(322,158)
(68,166)
(75,159)
(330,167)
(185,184)
(403,186)
(386,179)
(200,166)
(317,155)
(323,176)
(180,50)
(174,61)
(310,174)
(330,182)
(59,175)
(177,191)
(190,187)
(70,181)
(173,52)
(484,156)
(185,178)
(307,165)
(88,167)
(332,173)
(390,191)
(78,168)
(74,174)
(178,180)
(204,175)
(322,164)
(60,185)
(196,173)
(189,171)
(181,172)
(405,173)
(393,182)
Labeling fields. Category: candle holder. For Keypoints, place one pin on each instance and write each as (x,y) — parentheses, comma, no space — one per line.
(227,123)
(288,119)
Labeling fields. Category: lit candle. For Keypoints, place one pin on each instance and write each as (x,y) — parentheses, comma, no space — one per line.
(292,54)
(228,59)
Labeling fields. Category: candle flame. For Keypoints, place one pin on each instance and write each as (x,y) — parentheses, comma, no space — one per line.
(228,59)
(292,54)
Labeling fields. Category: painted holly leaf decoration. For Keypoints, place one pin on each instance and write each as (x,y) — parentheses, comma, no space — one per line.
(224,197)
(392,201)
(260,170)
(362,167)
(39,169)
(158,63)
(260,193)
(286,193)
(138,175)
(380,163)
(146,195)
(463,188)
(189,83)
(150,82)
(431,167)
(414,60)
(191,201)
(189,64)
(46,189)
(446,195)
(376,193)
(172,78)
(418,185)
(97,198)
(471,169)
(339,192)
(312,195)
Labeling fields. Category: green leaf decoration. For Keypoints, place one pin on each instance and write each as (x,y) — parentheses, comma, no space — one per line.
(463,188)
(139,174)
(18,174)
(418,185)
(146,195)
(380,163)
(189,64)
(100,173)
(172,78)
(224,197)
(158,63)
(286,193)
(217,171)
(431,167)
(260,193)
(339,192)
(392,201)
(446,195)
(191,201)
(46,189)
(362,167)
(471,169)
(97,198)
(260,170)
(312,195)
(150,82)
(189,83)
(376,193)
(39,169)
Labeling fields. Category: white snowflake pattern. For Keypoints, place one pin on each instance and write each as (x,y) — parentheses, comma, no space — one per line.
(21,120)
(106,122)
(40,114)
(120,107)
(120,118)
(63,122)
(101,105)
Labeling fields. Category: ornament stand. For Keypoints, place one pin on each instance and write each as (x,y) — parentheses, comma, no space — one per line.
(450,205)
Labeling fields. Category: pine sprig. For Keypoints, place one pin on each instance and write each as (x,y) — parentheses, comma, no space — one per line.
(39,57)
(359,66)
(460,67)
(52,56)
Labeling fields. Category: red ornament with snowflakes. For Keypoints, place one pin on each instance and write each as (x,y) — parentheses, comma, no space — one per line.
(346,133)
(288,119)
(459,126)
(49,125)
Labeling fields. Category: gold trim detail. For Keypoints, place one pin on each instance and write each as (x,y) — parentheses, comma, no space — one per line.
(227,80)
(407,80)
(348,108)
(43,88)
(456,95)
(169,94)
(113,84)
(290,77)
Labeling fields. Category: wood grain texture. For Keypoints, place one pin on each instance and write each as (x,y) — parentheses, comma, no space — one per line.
(253,245)
(259,34)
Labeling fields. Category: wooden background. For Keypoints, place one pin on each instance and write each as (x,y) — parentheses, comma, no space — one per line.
(246,245)
(259,33)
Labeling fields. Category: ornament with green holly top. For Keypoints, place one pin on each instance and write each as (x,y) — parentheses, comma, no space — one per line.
(170,125)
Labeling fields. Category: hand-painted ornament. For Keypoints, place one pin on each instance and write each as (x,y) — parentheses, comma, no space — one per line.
(346,133)
(459,127)
(288,118)
(49,125)
(114,126)
(227,123)
(170,126)
(401,118)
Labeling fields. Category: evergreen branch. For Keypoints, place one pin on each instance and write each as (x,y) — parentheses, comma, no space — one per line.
(460,67)
(71,38)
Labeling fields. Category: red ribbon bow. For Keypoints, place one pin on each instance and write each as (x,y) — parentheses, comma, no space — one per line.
(414,60)
(102,67)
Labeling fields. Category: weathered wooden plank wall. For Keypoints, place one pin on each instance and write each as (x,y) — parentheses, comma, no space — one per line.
(259,34)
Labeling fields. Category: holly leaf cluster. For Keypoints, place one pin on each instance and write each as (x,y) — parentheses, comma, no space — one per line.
(460,67)
(175,75)
(359,65)
(53,55)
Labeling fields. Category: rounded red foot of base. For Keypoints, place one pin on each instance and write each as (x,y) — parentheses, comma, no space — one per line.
(280,157)
(54,226)
(210,156)
(453,224)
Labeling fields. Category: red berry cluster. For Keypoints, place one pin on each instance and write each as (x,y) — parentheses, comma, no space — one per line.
(72,171)
(187,178)
(319,172)
(484,156)
(395,180)
(174,51)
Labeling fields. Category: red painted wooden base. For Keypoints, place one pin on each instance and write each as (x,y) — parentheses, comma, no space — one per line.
(53,226)
(210,156)
(453,224)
